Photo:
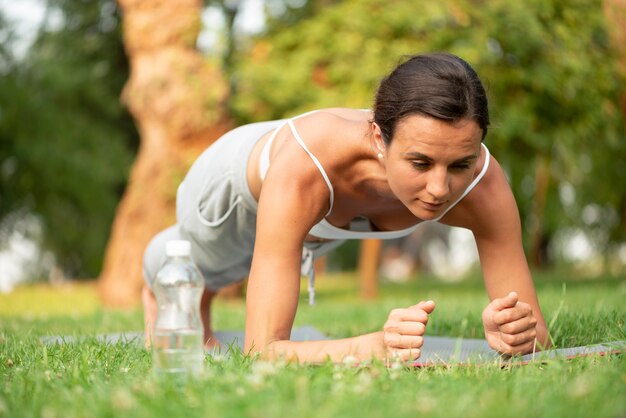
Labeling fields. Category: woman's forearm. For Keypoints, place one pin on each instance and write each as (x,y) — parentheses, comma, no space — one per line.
(360,348)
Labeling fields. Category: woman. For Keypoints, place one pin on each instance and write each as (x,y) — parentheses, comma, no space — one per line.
(268,197)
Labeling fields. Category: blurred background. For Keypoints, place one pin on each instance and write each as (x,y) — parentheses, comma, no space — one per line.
(104,104)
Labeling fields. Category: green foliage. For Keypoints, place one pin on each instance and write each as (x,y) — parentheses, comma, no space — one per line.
(547,66)
(66,141)
(282,14)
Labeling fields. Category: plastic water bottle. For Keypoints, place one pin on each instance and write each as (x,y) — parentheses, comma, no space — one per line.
(178,332)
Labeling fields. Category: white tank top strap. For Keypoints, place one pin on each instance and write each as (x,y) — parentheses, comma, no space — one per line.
(317,164)
(359,230)
(473,184)
(326,230)
(264,159)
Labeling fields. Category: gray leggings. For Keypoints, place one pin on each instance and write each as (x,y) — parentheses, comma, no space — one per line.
(216,212)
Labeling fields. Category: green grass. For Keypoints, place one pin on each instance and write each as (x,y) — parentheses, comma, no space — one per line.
(93,379)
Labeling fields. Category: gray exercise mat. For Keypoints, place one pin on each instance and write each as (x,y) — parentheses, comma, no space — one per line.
(436,350)
(228,339)
(445,350)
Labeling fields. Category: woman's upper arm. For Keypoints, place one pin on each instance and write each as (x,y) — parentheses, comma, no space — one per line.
(293,198)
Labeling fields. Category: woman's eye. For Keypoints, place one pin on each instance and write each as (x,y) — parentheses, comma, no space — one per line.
(425,165)
(460,167)
(420,165)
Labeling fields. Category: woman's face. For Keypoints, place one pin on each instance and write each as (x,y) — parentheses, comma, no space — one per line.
(430,163)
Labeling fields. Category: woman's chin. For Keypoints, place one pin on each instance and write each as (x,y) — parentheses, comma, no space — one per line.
(426,215)
(427,211)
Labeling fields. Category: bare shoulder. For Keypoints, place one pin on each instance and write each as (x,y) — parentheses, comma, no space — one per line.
(335,136)
(332,122)
(490,208)
(326,133)
(293,173)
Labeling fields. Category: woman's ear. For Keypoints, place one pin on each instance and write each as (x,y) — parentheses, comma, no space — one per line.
(378,143)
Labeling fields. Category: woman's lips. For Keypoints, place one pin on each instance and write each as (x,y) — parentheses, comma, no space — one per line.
(431,205)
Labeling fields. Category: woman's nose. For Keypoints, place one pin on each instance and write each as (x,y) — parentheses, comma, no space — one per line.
(438,186)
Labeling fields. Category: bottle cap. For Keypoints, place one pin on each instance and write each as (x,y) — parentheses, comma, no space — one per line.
(178,248)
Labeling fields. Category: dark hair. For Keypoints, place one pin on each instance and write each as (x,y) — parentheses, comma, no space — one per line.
(438,85)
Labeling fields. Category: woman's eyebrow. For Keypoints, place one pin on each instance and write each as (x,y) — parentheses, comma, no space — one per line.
(467,158)
(417,156)
(420,156)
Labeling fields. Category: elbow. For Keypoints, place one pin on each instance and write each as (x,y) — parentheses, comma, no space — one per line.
(255,346)
(266,349)
(252,348)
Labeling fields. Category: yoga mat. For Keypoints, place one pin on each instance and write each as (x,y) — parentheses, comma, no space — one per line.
(435,351)
(445,350)
(230,338)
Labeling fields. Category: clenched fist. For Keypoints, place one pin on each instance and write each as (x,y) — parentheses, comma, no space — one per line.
(510,326)
(403,333)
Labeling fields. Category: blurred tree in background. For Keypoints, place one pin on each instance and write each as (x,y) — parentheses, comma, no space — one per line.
(548,68)
(66,143)
(177,99)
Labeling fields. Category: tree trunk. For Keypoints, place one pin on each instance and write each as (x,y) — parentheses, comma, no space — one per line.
(177,100)
(369,260)
(537,233)
(615,15)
